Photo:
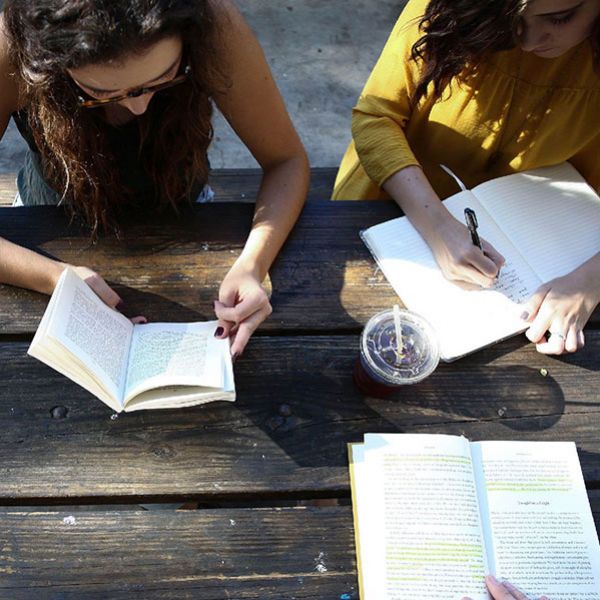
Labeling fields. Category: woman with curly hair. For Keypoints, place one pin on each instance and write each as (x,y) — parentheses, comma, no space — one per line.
(489,88)
(115,101)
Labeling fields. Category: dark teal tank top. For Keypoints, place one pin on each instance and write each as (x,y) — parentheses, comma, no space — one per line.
(124,142)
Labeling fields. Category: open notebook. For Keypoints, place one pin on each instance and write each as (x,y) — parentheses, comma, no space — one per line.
(545,222)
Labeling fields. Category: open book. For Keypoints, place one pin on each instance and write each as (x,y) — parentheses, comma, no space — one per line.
(433,514)
(545,222)
(130,367)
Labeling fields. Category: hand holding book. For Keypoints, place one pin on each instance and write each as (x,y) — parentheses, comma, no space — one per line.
(103,291)
(130,366)
(504,590)
(434,513)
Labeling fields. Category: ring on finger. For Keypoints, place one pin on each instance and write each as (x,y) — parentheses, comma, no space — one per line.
(558,334)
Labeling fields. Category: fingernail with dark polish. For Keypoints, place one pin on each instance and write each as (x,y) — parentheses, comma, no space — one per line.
(524,315)
(219,332)
(120,305)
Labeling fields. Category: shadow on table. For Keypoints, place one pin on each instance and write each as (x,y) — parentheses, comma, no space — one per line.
(517,397)
(315,415)
(583,359)
(309,406)
(185,256)
(157,308)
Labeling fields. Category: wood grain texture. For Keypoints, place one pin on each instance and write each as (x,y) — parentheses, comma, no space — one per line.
(229,185)
(220,554)
(170,269)
(248,449)
(241,185)
(254,554)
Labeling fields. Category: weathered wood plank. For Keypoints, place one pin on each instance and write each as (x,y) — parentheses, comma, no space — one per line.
(241,185)
(198,555)
(170,270)
(201,555)
(250,448)
(229,185)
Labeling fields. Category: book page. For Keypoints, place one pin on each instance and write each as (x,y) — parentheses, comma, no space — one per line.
(175,354)
(55,355)
(551,215)
(464,320)
(95,333)
(364,539)
(543,537)
(418,517)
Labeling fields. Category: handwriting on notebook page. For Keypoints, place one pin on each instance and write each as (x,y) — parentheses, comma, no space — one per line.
(513,285)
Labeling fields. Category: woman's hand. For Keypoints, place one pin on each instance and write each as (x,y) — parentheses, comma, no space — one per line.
(562,307)
(100,287)
(504,591)
(242,306)
(254,108)
(457,256)
(449,239)
(104,291)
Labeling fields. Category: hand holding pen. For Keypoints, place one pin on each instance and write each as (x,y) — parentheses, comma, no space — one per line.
(472,225)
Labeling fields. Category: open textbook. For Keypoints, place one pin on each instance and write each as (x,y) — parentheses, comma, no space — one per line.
(130,367)
(433,514)
(545,222)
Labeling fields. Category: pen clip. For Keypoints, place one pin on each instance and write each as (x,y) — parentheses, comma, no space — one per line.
(471,218)
(472,224)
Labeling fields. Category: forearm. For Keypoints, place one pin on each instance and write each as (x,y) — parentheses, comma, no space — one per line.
(27,269)
(278,205)
(412,191)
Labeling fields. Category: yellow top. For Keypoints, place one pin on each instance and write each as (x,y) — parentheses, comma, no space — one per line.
(534,112)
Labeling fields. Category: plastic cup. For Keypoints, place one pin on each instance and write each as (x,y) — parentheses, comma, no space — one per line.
(379,369)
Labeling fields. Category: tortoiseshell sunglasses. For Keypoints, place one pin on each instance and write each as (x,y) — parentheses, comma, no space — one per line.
(96,102)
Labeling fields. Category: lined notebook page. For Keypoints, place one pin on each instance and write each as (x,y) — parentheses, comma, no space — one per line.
(551,215)
(464,320)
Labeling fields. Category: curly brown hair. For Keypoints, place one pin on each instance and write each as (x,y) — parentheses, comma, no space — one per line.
(459,33)
(47,37)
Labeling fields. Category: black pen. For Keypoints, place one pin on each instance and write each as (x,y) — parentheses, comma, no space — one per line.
(471,219)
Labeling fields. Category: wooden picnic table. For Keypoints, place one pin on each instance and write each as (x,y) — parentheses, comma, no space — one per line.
(264,480)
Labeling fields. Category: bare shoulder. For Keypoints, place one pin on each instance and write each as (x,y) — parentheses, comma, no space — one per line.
(9,87)
(233,30)
(226,11)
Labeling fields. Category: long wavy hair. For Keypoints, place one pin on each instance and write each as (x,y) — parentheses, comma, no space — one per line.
(47,37)
(459,33)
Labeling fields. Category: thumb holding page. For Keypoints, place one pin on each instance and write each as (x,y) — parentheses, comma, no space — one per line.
(504,590)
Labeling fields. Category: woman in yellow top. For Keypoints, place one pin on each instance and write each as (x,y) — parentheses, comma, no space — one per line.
(487,88)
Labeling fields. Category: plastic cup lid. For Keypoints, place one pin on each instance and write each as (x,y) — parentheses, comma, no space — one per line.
(419,355)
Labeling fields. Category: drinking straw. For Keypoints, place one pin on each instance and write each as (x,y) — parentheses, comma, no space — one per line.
(398,327)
